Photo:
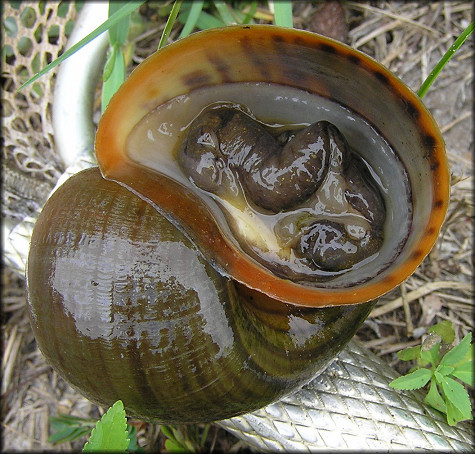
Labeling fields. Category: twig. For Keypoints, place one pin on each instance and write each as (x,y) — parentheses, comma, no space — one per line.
(416,294)
(407,310)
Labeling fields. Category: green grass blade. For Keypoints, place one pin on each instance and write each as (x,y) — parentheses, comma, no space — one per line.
(283,13)
(445,59)
(192,18)
(169,25)
(225,13)
(249,16)
(114,19)
(118,33)
(116,77)
(207,21)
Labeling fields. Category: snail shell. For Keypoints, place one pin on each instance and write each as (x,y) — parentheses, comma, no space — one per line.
(138,291)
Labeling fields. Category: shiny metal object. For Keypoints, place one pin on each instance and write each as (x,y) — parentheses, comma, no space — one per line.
(348,407)
(351,407)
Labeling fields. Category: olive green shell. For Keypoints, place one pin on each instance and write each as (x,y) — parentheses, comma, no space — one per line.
(125,307)
(136,294)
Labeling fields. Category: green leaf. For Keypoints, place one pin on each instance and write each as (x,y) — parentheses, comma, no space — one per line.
(132,435)
(434,399)
(167,431)
(464,372)
(453,414)
(283,13)
(109,65)
(414,380)
(225,12)
(438,376)
(469,356)
(115,76)
(68,428)
(444,369)
(69,420)
(409,354)
(431,356)
(110,433)
(118,32)
(169,25)
(173,446)
(456,395)
(457,354)
(444,329)
(192,18)
(116,17)
(69,434)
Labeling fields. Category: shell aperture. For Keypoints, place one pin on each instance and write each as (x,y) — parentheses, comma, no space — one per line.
(329,212)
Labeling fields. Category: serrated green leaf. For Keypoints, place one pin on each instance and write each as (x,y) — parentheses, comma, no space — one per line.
(431,356)
(469,356)
(457,353)
(409,354)
(456,395)
(454,415)
(444,329)
(110,433)
(464,372)
(438,376)
(434,399)
(444,369)
(414,380)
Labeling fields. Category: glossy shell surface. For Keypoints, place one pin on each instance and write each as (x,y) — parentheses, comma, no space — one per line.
(290,58)
(137,294)
(124,306)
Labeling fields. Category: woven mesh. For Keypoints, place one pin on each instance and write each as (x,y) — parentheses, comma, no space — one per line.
(33,34)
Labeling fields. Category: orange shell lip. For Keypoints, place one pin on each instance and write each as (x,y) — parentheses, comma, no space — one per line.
(259,53)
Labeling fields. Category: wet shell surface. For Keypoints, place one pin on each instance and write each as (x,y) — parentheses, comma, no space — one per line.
(174,279)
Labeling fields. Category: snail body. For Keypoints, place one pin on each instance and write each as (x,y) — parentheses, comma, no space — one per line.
(177,278)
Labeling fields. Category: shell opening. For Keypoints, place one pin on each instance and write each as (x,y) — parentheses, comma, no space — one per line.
(270,229)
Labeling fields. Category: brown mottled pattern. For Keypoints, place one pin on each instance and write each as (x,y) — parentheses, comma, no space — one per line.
(197,79)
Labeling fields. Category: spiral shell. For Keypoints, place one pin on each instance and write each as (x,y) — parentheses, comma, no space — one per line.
(137,289)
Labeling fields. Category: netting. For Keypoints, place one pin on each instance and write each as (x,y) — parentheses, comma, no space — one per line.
(33,35)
